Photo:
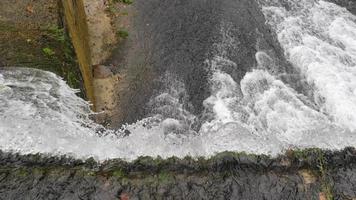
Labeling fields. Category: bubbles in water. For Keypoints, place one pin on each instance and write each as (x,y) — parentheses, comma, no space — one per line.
(260,114)
(319,39)
(44,115)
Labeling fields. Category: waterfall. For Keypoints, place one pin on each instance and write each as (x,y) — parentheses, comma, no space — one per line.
(263,112)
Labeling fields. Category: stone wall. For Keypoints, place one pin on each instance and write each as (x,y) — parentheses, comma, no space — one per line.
(308,174)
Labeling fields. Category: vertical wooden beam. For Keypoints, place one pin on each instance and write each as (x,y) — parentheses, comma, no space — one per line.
(76,21)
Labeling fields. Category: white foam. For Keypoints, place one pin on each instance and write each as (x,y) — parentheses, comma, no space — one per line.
(42,114)
(224,94)
(263,115)
(260,114)
(320,39)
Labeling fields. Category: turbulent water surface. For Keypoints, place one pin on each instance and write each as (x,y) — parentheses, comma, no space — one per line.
(267,111)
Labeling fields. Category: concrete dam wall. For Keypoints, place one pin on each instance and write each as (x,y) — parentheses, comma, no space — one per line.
(194,99)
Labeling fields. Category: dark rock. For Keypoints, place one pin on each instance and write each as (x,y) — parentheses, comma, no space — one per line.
(225,176)
(1,63)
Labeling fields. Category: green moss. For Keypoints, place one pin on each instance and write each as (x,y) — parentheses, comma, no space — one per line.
(123,1)
(6,27)
(111,9)
(22,172)
(72,79)
(119,173)
(148,161)
(165,177)
(38,171)
(48,51)
(326,189)
(237,155)
(91,173)
(326,185)
(162,172)
(316,157)
(308,155)
(124,13)
(122,34)
(56,33)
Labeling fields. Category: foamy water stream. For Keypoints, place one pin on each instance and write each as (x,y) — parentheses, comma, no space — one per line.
(260,114)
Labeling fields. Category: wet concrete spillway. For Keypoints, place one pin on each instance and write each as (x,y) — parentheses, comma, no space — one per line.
(213,99)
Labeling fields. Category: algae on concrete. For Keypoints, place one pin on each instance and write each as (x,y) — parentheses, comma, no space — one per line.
(227,175)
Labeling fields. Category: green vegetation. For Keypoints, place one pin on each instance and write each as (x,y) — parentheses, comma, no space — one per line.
(316,157)
(48,51)
(326,186)
(56,33)
(111,7)
(165,177)
(59,35)
(22,172)
(159,171)
(119,173)
(46,48)
(123,1)
(122,34)
(62,43)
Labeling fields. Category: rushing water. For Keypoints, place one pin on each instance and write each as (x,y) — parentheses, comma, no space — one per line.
(259,114)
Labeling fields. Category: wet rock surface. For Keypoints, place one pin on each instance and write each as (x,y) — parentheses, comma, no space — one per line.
(345,182)
(181,38)
(308,174)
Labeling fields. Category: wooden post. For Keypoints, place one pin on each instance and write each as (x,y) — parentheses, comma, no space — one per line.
(76,21)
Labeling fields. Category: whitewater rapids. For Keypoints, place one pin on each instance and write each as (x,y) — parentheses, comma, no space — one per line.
(40,113)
